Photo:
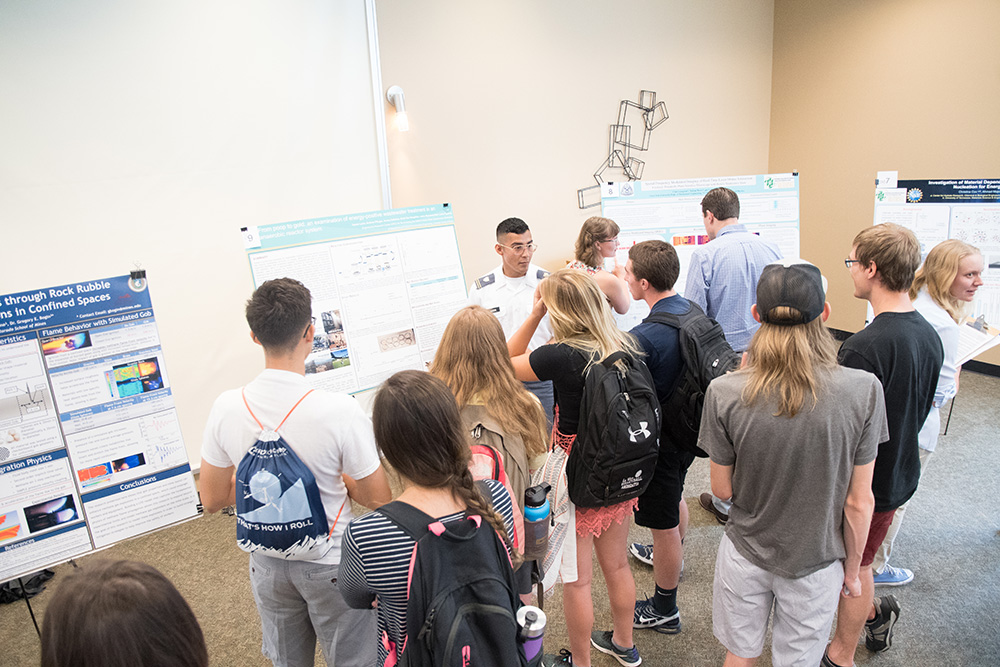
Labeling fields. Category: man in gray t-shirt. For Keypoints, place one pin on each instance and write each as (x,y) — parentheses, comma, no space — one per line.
(792,439)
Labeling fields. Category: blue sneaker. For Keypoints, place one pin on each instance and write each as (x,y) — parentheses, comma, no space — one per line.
(601,640)
(893,576)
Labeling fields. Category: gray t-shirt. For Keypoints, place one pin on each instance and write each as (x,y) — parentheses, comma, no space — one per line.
(791,475)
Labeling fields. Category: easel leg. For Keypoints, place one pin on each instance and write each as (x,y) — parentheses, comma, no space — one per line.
(950,410)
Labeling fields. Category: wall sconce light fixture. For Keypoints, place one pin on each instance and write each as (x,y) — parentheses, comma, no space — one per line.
(395,97)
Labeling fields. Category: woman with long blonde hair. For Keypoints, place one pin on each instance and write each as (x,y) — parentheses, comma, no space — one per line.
(584,334)
(942,290)
(598,240)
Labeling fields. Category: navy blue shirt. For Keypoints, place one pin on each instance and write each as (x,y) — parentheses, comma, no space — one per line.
(659,342)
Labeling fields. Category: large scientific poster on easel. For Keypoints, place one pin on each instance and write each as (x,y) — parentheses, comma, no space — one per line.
(384,285)
(670,211)
(941,209)
(90,446)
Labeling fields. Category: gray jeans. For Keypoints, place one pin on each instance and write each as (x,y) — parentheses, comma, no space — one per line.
(300,602)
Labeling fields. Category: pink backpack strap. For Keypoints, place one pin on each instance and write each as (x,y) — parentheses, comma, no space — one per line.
(243,393)
(391,658)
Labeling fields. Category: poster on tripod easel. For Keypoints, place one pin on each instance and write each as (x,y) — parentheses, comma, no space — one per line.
(91,451)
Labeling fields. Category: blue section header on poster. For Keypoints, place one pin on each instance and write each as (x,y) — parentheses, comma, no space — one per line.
(951,191)
(38,538)
(69,308)
(32,461)
(136,483)
(118,404)
(355,224)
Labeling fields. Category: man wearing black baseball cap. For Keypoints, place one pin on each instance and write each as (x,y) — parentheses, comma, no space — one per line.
(792,438)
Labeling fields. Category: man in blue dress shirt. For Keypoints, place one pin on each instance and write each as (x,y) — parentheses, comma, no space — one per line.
(722,279)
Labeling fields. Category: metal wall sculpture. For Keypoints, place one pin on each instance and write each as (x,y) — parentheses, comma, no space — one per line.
(636,122)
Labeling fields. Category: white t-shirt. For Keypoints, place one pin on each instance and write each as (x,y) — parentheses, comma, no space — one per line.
(511,300)
(949,331)
(329,432)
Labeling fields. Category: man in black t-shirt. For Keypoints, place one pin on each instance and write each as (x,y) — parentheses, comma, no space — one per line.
(905,353)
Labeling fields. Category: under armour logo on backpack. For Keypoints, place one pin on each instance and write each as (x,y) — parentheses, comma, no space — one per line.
(642,429)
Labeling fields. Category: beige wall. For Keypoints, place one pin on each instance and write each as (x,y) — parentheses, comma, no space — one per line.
(509,103)
(862,86)
(149,133)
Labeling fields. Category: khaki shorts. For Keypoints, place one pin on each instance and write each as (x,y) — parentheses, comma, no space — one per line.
(803,609)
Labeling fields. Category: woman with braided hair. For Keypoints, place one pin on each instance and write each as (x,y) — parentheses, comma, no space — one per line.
(418,428)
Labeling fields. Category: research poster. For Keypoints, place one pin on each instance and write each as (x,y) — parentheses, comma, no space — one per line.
(941,209)
(670,211)
(90,445)
(384,285)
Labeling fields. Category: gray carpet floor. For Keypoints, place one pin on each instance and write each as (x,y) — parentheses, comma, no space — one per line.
(950,540)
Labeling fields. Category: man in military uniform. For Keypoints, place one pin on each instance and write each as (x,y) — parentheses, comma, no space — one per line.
(508,292)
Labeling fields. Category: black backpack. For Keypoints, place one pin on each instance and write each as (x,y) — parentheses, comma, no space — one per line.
(706,355)
(618,437)
(461,598)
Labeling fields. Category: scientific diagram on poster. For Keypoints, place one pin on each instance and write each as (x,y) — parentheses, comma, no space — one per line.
(90,446)
(941,209)
(670,211)
(384,285)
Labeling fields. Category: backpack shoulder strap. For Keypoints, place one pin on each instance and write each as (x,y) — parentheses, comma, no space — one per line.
(494,455)
(414,522)
(673,319)
(243,393)
(614,358)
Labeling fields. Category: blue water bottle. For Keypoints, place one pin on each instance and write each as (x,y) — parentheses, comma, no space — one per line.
(536,521)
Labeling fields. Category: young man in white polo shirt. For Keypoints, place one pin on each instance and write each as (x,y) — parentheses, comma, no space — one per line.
(298,600)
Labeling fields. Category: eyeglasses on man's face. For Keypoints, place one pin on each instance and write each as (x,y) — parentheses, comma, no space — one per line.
(521,248)
(849,261)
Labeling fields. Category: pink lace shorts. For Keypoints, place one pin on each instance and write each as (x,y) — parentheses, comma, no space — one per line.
(593,520)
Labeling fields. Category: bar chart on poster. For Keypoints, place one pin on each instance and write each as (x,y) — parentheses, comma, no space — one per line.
(940,209)
(670,211)
(90,446)
(384,285)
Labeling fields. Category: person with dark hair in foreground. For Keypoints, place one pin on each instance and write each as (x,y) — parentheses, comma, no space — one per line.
(120,614)
(418,429)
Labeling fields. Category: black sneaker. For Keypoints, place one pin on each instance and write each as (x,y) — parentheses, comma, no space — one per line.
(564,658)
(826,662)
(647,616)
(642,552)
(601,640)
(878,631)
